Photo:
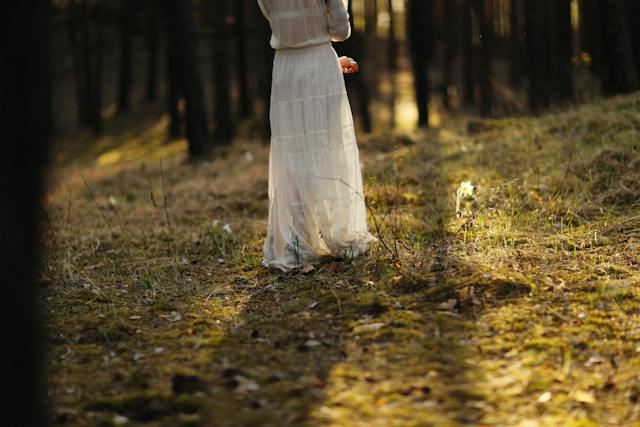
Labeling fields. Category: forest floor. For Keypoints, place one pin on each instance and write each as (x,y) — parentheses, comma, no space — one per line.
(524,312)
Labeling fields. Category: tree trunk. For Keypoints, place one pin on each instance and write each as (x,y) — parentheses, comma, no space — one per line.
(125,72)
(538,56)
(562,51)
(449,52)
(25,90)
(191,88)
(173,85)
(392,52)
(225,127)
(468,84)
(151,92)
(517,48)
(246,106)
(419,15)
(354,48)
(93,52)
(633,15)
(78,62)
(621,75)
(483,10)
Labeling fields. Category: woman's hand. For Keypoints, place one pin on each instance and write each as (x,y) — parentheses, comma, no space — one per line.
(348,65)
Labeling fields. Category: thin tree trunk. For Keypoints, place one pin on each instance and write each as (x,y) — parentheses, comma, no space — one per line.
(173,84)
(225,127)
(78,62)
(449,52)
(469,66)
(562,51)
(392,52)
(419,15)
(484,12)
(153,38)
(354,48)
(183,27)
(516,64)
(246,107)
(125,72)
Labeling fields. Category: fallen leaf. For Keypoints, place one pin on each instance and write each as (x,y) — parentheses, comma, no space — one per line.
(544,397)
(307,268)
(449,305)
(371,327)
(584,397)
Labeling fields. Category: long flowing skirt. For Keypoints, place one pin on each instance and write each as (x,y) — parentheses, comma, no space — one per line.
(316,202)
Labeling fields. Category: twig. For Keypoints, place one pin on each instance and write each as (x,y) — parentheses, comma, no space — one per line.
(69,211)
(396,261)
(166,209)
(104,218)
(153,197)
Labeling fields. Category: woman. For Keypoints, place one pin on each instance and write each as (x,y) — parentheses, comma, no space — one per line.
(316,203)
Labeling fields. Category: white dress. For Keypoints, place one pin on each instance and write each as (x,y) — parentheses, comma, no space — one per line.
(316,202)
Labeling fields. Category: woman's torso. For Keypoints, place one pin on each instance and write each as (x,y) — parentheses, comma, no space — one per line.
(297,23)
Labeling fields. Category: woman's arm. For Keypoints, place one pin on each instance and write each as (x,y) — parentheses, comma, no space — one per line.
(339,26)
(264,7)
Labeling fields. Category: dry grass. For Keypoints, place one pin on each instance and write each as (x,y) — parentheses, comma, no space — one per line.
(524,312)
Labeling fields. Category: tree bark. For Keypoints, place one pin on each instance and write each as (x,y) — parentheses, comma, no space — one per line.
(125,71)
(517,48)
(449,52)
(469,66)
(538,57)
(562,51)
(78,62)
(419,14)
(621,74)
(191,88)
(25,90)
(354,48)
(225,126)
(246,106)
(153,41)
(483,10)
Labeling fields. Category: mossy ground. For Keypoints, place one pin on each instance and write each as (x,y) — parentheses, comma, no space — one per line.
(526,313)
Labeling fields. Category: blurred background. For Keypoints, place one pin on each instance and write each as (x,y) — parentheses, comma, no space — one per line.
(201,69)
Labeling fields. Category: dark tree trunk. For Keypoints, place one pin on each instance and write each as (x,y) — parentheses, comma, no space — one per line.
(191,88)
(483,10)
(78,62)
(516,64)
(593,36)
(420,35)
(468,45)
(173,86)
(354,48)
(225,126)
(246,106)
(633,18)
(621,74)
(153,38)
(450,30)
(561,51)
(94,58)
(125,71)
(25,90)
(538,57)
(392,52)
